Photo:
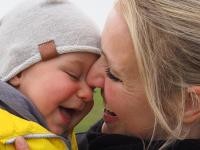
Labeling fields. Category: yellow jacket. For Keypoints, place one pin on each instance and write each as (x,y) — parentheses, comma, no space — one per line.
(38,137)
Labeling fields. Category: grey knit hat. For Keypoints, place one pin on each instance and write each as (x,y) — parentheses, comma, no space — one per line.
(38,30)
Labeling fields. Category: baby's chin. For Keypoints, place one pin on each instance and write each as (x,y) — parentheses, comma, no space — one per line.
(58,130)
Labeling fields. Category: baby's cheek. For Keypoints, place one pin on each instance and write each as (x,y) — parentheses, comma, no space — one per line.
(63,90)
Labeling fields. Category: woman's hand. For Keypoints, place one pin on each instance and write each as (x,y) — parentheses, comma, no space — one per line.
(21,144)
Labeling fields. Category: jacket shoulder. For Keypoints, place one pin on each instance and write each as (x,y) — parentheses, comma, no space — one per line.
(37,136)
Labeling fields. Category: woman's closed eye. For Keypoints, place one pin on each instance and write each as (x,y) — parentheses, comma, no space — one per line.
(111,76)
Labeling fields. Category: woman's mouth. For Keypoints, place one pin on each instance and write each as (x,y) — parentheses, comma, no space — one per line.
(109,116)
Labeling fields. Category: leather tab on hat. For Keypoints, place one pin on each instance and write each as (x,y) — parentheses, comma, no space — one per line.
(48,50)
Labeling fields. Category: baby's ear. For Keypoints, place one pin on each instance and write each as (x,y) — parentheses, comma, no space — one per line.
(15,81)
(192,105)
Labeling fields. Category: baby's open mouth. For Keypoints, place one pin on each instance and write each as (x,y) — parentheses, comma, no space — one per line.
(67,114)
(67,110)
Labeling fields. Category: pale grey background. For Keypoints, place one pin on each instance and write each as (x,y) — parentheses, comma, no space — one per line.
(97,9)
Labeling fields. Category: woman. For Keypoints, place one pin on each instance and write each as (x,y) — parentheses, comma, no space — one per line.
(150,75)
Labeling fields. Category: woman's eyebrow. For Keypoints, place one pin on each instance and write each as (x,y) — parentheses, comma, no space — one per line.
(106,59)
(104,55)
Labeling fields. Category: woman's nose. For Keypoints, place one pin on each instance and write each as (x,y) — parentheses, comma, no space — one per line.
(96,75)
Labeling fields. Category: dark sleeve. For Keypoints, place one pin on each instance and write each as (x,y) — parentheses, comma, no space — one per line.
(82,141)
(82,138)
(114,142)
(93,139)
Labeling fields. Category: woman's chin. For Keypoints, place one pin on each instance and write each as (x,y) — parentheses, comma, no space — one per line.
(109,128)
(105,129)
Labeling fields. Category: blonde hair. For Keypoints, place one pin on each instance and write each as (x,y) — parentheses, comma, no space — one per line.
(166,38)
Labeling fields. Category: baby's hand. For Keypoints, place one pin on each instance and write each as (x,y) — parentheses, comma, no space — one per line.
(21,144)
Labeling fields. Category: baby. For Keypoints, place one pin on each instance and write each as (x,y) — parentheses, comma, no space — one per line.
(46,50)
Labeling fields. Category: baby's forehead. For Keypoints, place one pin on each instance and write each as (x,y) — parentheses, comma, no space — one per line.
(77,63)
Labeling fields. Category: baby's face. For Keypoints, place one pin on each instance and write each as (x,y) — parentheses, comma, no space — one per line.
(59,90)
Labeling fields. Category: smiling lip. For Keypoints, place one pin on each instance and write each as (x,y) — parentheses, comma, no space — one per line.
(109,117)
(65,115)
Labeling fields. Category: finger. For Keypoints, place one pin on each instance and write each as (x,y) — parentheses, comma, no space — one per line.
(21,144)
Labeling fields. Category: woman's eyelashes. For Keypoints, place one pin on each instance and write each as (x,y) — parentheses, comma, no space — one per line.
(111,76)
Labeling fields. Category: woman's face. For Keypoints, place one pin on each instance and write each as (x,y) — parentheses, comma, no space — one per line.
(116,72)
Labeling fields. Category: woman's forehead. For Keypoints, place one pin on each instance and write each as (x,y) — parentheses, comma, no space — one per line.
(117,45)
